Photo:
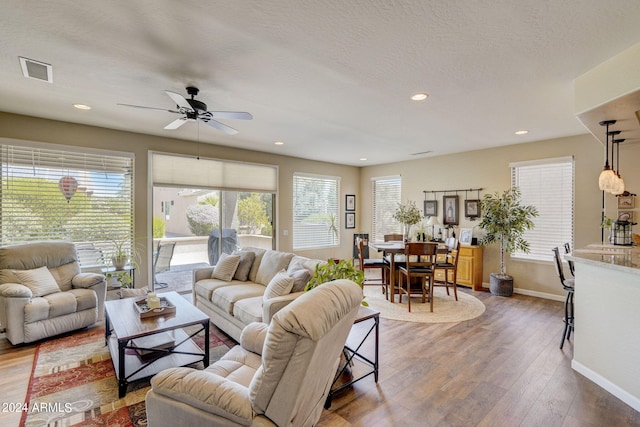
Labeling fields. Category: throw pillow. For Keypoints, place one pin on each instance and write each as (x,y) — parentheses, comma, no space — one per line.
(246,261)
(300,279)
(279,285)
(226,267)
(272,262)
(39,280)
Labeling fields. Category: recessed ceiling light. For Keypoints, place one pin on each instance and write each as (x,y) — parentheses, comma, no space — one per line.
(363,159)
(82,106)
(522,132)
(420,96)
(279,143)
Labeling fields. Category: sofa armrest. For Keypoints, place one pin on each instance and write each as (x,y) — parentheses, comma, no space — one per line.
(206,391)
(253,336)
(272,305)
(87,280)
(15,290)
(202,273)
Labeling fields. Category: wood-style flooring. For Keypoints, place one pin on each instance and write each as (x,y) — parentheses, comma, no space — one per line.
(504,368)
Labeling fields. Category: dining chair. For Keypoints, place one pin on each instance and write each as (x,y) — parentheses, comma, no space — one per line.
(420,259)
(567,250)
(366,263)
(569,286)
(450,263)
(398,259)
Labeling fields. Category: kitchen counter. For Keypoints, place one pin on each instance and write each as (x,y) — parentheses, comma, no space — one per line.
(606,341)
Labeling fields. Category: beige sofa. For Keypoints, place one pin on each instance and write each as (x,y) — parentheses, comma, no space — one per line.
(233,304)
(279,375)
(43,293)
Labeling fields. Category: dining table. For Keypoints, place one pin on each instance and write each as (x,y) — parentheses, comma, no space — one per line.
(392,248)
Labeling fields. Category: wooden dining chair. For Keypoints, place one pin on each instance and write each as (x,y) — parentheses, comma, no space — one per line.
(449,264)
(399,259)
(420,259)
(366,263)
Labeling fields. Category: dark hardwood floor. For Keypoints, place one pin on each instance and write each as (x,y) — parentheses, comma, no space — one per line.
(504,368)
(501,369)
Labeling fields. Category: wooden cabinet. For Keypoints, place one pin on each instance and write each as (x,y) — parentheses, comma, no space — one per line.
(469,268)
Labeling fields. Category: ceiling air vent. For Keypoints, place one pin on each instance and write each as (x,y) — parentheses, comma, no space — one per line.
(36,70)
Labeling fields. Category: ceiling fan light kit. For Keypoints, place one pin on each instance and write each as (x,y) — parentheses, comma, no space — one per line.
(193,109)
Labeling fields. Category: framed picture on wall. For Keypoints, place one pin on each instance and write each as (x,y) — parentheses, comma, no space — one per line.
(625,202)
(350,220)
(472,208)
(350,202)
(430,208)
(450,210)
(625,216)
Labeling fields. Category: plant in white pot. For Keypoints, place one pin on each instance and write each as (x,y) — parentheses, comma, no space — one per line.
(504,220)
(407,214)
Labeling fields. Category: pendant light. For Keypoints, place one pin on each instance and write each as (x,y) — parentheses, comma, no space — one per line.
(619,189)
(607,178)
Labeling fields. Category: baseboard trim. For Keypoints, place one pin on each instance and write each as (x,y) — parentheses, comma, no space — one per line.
(618,392)
(544,295)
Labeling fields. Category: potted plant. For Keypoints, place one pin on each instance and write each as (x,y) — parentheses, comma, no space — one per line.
(333,270)
(120,256)
(505,219)
(407,214)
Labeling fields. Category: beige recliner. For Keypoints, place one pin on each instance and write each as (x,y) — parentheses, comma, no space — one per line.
(43,293)
(280,374)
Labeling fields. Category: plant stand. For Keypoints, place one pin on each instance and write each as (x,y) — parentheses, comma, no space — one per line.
(501,285)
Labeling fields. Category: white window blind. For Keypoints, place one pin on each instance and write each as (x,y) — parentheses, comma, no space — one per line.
(316,219)
(171,170)
(386,193)
(33,207)
(547,184)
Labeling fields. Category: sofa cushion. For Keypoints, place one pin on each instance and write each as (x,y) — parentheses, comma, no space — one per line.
(226,267)
(300,279)
(244,267)
(272,262)
(225,297)
(279,285)
(297,268)
(256,262)
(39,280)
(205,287)
(248,310)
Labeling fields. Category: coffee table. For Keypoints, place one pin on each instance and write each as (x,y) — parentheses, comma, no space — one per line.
(123,324)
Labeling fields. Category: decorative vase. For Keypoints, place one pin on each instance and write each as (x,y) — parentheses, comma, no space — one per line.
(406,232)
(119,262)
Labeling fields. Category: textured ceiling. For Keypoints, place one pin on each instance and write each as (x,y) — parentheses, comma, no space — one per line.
(330,78)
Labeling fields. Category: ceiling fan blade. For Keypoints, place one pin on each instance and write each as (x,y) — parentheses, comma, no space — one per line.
(220,126)
(149,108)
(179,99)
(177,123)
(239,115)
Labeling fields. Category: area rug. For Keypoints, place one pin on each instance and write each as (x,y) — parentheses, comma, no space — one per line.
(445,308)
(73,383)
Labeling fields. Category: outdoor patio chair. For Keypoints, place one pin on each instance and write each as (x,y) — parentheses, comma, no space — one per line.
(162,262)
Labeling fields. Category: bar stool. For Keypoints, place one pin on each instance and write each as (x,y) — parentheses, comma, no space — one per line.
(568,285)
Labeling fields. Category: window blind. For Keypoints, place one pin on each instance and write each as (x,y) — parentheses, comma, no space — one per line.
(33,207)
(386,194)
(548,185)
(316,219)
(172,170)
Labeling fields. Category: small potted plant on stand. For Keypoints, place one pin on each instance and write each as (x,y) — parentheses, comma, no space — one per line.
(407,214)
(505,219)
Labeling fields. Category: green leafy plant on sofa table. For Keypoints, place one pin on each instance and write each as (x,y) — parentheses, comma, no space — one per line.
(334,270)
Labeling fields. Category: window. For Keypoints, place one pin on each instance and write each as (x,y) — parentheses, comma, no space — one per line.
(386,194)
(316,219)
(548,185)
(34,207)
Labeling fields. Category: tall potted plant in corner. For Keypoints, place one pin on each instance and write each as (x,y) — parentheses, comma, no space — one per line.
(505,219)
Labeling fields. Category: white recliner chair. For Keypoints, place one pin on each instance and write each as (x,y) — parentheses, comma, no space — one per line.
(43,293)
(279,375)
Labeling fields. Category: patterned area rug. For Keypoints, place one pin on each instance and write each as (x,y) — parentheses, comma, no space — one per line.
(445,308)
(73,383)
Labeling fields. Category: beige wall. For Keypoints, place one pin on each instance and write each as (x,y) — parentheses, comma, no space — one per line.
(48,131)
(488,169)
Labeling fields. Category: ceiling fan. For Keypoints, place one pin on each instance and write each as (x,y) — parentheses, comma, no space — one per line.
(193,110)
